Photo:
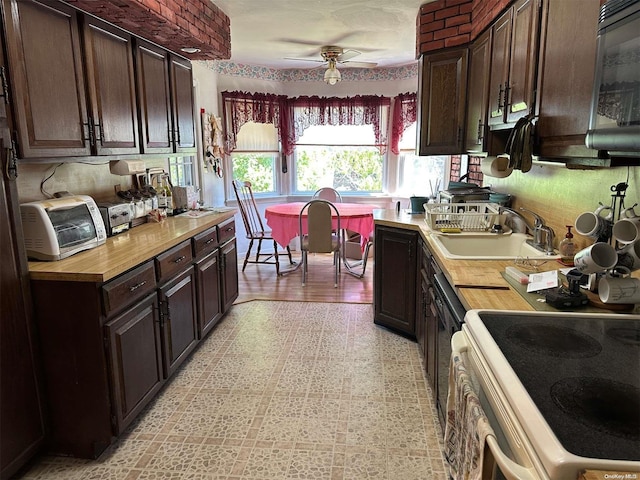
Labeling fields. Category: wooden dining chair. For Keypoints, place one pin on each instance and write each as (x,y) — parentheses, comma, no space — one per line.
(316,220)
(255,228)
(328,193)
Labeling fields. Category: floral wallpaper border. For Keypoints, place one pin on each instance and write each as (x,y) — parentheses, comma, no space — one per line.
(311,75)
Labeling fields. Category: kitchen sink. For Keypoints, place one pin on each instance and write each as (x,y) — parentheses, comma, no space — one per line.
(487,246)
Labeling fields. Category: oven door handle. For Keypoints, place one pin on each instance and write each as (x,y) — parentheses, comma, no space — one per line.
(510,469)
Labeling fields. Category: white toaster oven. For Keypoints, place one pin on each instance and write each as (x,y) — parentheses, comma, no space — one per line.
(59,227)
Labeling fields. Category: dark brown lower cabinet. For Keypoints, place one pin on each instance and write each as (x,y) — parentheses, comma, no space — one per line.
(209,297)
(108,348)
(178,319)
(395,279)
(135,354)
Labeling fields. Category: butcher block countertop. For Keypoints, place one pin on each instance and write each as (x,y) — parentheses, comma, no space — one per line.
(478,283)
(125,250)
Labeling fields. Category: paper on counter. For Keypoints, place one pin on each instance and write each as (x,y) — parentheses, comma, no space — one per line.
(543,280)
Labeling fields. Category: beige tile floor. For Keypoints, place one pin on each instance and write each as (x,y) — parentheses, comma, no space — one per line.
(281,390)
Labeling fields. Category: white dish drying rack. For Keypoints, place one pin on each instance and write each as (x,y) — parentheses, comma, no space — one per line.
(467,217)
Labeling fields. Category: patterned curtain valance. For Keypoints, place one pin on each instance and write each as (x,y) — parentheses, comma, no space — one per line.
(292,116)
(242,107)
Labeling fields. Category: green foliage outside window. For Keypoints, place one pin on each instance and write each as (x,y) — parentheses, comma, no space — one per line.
(347,169)
(257,168)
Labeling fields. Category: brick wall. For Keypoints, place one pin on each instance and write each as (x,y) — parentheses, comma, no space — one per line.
(172,24)
(450,23)
(485,12)
(442,24)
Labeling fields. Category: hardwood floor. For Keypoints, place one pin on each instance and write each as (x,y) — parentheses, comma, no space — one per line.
(260,282)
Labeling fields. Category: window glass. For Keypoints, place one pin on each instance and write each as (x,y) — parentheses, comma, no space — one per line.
(255,158)
(343,157)
(419,176)
(182,171)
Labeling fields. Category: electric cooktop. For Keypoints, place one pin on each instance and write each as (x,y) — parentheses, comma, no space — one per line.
(582,373)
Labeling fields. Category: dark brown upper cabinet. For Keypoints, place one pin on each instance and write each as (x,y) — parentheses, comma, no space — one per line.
(441,108)
(111,88)
(513,63)
(181,77)
(47,79)
(565,81)
(73,79)
(152,69)
(478,93)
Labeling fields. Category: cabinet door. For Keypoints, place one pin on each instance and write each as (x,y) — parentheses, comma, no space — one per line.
(111,87)
(208,274)
(135,354)
(229,258)
(478,93)
(442,102)
(178,319)
(524,57)
(566,77)
(395,279)
(21,405)
(499,78)
(182,97)
(47,79)
(152,70)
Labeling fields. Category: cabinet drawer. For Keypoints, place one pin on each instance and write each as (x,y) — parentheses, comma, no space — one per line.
(205,242)
(128,288)
(226,231)
(173,260)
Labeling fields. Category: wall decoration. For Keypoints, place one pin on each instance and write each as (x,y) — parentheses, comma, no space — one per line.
(212,142)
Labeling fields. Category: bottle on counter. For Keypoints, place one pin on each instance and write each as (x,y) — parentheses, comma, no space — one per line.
(165,197)
(567,246)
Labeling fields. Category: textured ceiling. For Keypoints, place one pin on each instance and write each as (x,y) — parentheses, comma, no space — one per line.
(266,32)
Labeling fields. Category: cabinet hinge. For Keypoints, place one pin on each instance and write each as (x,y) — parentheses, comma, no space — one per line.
(11,165)
(5,85)
(163,311)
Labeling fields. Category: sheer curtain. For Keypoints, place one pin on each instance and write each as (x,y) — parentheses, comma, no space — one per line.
(404,114)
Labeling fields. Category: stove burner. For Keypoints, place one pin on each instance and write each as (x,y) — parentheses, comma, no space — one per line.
(630,336)
(602,404)
(553,340)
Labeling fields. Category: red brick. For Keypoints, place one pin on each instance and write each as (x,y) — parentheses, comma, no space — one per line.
(431,27)
(447,12)
(466,28)
(431,7)
(457,20)
(450,3)
(431,46)
(466,8)
(427,18)
(457,40)
(447,32)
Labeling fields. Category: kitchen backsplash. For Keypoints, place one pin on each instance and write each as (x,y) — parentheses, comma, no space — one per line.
(79,178)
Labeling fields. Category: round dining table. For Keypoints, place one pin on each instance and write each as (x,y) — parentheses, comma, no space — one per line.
(283,220)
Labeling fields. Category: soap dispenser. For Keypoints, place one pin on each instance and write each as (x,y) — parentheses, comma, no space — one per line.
(567,246)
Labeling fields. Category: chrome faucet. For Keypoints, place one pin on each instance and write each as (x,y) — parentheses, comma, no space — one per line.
(543,235)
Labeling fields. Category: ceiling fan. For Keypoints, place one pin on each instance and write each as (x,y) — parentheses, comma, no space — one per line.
(333,55)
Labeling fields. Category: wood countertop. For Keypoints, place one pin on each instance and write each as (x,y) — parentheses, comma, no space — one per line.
(125,250)
(478,283)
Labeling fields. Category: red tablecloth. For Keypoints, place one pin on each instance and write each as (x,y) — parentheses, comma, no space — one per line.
(283,220)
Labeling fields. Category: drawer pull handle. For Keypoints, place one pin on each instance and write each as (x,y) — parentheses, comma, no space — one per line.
(137,286)
(179,259)
(211,240)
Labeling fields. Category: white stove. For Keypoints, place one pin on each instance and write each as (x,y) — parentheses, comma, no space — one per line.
(561,390)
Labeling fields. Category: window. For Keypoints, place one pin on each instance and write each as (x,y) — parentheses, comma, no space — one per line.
(181,171)
(255,158)
(344,157)
(419,176)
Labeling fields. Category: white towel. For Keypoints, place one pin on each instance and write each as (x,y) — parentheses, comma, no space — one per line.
(466,427)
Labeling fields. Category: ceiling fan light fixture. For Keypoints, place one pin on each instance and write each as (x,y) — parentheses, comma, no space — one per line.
(332,75)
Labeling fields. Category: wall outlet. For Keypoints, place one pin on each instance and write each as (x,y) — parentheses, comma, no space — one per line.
(117,188)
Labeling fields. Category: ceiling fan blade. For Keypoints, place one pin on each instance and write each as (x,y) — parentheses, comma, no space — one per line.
(360,64)
(347,55)
(305,59)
